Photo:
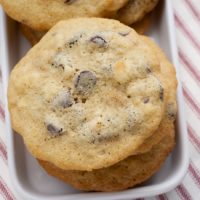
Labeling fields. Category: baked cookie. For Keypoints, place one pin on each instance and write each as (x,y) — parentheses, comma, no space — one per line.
(33,36)
(42,15)
(135,10)
(170,81)
(87,95)
(138,168)
(143,25)
(125,174)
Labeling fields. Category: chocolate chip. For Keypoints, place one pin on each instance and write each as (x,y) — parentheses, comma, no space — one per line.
(76,100)
(72,42)
(148,70)
(53,130)
(124,33)
(161,93)
(146,100)
(85,82)
(83,100)
(103,139)
(69,1)
(171,111)
(58,65)
(107,138)
(61,60)
(63,99)
(99,40)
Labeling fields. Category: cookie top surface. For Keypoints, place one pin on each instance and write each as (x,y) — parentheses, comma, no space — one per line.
(135,10)
(85,97)
(127,173)
(42,15)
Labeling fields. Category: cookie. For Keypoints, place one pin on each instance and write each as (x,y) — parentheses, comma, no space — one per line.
(143,25)
(138,168)
(82,92)
(169,75)
(42,15)
(33,36)
(125,174)
(135,10)
(140,27)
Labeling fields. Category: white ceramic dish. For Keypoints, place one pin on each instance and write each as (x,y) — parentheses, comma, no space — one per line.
(29,179)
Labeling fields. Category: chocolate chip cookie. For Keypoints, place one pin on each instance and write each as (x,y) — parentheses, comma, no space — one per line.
(150,155)
(87,95)
(42,15)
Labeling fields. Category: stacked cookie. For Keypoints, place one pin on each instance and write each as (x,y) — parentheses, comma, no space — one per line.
(38,16)
(95,103)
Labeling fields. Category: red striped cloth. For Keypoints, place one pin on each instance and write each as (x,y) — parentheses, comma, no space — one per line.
(187,19)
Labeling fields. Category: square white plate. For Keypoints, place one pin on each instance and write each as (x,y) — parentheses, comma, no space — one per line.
(29,179)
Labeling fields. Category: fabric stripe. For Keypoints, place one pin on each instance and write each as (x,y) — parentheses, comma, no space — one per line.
(193,9)
(194,173)
(183,193)
(190,51)
(193,138)
(2,113)
(162,197)
(5,190)
(3,151)
(193,70)
(180,24)
(193,104)
(139,199)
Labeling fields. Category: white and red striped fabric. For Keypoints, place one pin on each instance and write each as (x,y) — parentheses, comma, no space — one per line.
(187,19)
